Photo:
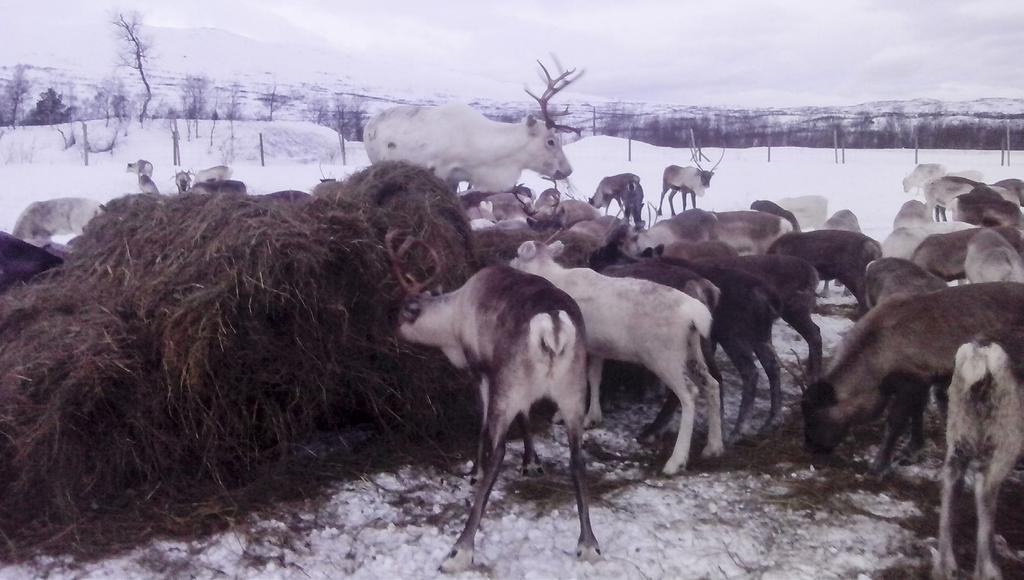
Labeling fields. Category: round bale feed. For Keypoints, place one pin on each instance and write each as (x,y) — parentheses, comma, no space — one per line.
(194,340)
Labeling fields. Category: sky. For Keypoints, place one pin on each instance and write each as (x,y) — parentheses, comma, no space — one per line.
(722,52)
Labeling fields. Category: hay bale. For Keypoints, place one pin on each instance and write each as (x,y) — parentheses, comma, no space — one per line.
(496,246)
(193,339)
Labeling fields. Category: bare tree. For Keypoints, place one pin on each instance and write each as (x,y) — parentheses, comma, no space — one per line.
(273,99)
(348,114)
(16,92)
(194,101)
(233,111)
(318,111)
(134,51)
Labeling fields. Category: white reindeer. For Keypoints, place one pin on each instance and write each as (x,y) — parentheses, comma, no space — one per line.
(661,332)
(692,180)
(523,339)
(810,211)
(140,167)
(922,174)
(215,173)
(984,431)
(459,144)
(42,220)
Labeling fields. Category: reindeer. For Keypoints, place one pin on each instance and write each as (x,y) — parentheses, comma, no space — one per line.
(990,258)
(777,210)
(571,212)
(836,254)
(183,180)
(42,220)
(911,214)
(668,343)
(747,232)
(523,340)
(215,173)
(892,356)
(21,261)
(922,174)
(985,433)
(140,167)
(903,241)
(938,194)
(692,180)
(226,186)
(459,144)
(985,206)
(625,189)
(945,255)
(893,278)
(1013,185)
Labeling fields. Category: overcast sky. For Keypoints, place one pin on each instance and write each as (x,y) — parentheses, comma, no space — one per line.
(716,52)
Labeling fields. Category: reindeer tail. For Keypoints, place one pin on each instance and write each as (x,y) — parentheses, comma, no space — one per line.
(552,334)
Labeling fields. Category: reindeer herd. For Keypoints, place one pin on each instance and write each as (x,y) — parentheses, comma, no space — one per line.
(666,294)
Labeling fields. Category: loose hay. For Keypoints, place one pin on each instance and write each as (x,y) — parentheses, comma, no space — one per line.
(192,340)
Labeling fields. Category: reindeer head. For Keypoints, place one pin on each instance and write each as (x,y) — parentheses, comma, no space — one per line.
(544,147)
(705,174)
(418,321)
(822,432)
(537,257)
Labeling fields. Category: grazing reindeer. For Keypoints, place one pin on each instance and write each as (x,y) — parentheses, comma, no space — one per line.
(140,167)
(668,343)
(912,213)
(183,180)
(747,232)
(990,258)
(459,144)
(894,354)
(42,220)
(523,338)
(893,278)
(625,189)
(226,186)
(20,261)
(922,174)
(692,180)
(836,254)
(938,194)
(215,173)
(985,206)
(777,210)
(984,431)
(945,255)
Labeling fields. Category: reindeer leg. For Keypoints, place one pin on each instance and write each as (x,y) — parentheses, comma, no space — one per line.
(662,202)
(531,466)
(657,427)
(986,492)
(944,561)
(686,392)
(770,363)
(461,556)
(693,196)
(482,444)
(595,366)
(901,408)
(671,205)
(912,452)
(800,320)
(701,376)
(742,358)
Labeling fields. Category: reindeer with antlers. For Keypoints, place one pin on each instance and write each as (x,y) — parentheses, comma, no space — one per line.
(460,144)
(692,180)
(524,340)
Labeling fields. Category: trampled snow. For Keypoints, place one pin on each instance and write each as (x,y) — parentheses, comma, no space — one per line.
(401,524)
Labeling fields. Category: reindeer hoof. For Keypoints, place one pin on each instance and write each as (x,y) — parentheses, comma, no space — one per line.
(588,553)
(943,566)
(910,457)
(533,470)
(713,450)
(671,470)
(591,421)
(557,418)
(459,560)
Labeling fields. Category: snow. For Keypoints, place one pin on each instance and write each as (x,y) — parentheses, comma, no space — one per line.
(704,523)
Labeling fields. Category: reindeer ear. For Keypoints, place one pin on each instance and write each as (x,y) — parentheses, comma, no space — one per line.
(487,206)
(556,248)
(527,250)
(531,121)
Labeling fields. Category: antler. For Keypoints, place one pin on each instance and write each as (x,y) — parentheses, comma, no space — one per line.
(722,156)
(397,256)
(556,84)
(527,207)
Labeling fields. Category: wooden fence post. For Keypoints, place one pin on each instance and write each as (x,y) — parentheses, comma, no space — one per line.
(175,143)
(769,147)
(629,151)
(85,143)
(341,141)
(835,144)
(262,161)
(1007,143)
(593,120)
(915,145)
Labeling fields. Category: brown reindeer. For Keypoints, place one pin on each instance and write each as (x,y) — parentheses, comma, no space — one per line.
(894,354)
(692,180)
(625,189)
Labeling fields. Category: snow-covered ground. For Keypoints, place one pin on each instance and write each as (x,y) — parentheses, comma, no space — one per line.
(709,522)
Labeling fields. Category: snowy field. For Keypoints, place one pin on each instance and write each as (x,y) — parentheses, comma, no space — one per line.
(716,520)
